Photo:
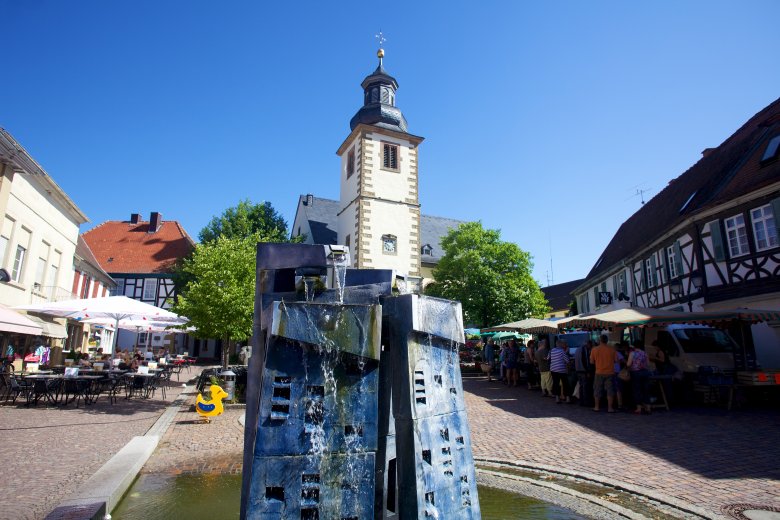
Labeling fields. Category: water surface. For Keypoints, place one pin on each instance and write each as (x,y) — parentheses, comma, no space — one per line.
(162,497)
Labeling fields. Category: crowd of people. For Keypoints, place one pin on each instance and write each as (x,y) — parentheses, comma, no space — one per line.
(620,372)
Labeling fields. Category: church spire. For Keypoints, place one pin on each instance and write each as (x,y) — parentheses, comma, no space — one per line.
(379,98)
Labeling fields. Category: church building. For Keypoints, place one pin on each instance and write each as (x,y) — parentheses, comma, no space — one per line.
(378,214)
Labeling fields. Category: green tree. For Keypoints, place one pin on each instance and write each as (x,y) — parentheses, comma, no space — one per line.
(247,219)
(491,278)
(219,296)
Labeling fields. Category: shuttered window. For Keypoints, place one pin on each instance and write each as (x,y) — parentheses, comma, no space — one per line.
(389,156)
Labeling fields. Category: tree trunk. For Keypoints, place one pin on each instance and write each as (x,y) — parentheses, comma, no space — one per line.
(225,353)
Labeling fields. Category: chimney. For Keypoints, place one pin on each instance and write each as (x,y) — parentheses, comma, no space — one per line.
(707,151)
(309,200)
(135,218)
(155,221)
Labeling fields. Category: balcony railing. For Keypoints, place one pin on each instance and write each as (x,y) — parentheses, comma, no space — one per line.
(51,293)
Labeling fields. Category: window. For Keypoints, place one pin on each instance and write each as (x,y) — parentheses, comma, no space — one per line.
(427,249)
(671,262)
(764,229)
(5,237)
(649,273)
(54,268)
(584,304)
(40,272)
(623,283)
(119,290)
(596,297)
(389,156)
(18,263)
(143,338)
(389,244)
(772,150)
(85,286)
(736,235)
(347,241)
(350,164)
(150,289)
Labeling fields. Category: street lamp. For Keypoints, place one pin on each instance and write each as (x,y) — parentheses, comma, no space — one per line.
(676,288)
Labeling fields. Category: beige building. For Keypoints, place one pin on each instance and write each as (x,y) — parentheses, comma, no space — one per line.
(378,213)
(40,229)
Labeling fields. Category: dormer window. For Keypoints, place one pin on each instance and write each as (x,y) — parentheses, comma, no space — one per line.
(427,249)
(772,150)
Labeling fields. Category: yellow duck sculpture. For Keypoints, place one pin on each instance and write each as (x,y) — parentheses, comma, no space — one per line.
(208,408)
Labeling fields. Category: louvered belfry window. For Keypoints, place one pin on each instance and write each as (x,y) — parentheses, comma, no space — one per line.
(390,156)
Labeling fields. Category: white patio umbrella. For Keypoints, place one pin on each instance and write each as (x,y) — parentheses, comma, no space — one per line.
(116,308)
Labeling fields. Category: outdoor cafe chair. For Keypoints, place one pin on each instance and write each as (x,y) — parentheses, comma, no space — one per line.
(112,385)
(13,387)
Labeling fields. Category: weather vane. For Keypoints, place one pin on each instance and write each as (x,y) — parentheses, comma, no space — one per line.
(381,38)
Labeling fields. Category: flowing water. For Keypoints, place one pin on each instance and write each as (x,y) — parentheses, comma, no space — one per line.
(161,497)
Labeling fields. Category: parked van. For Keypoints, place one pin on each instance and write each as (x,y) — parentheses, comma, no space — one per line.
(689,347)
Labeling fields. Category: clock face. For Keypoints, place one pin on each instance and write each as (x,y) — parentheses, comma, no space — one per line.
(389,245)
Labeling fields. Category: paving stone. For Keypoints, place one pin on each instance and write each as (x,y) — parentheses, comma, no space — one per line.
(48,452)
(705,456)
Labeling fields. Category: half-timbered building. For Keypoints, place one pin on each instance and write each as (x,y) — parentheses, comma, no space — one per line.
(140,256)
(707,241)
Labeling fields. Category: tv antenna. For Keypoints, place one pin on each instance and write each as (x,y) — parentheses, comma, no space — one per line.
(640,192)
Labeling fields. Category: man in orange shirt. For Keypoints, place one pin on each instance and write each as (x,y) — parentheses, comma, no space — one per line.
(604,358)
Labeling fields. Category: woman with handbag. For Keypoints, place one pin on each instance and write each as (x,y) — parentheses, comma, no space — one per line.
(638,367)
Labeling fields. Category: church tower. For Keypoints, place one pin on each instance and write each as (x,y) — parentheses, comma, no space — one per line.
(379,208)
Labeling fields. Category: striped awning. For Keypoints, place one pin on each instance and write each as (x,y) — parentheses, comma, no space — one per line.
(641,317)
(49,327)
(528,326)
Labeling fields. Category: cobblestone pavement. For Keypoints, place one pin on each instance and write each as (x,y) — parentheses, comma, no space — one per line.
(707,457)
(191,446)
(48,451)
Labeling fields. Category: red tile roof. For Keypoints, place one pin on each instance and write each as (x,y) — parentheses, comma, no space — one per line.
(723,173)
(123,247)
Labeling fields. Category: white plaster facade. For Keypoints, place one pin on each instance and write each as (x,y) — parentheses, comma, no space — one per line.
(379,203)
(39,232)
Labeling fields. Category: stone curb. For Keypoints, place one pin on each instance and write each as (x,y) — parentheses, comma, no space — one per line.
(615,508)
(103,490)
(606,481)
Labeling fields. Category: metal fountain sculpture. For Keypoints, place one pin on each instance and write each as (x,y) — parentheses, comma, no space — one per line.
(354,399)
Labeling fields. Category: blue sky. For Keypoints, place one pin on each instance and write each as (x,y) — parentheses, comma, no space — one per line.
(541,119)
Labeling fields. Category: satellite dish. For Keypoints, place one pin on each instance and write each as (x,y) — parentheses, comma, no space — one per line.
(5,276)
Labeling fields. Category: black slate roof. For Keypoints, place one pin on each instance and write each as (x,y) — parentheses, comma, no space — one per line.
(322,215)
(723,173)
(559,295)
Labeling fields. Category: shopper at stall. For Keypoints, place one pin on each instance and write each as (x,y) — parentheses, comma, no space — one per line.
(604,358)
(529,357)
(543,363)
(559,368)
(585,371)
(638,366)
